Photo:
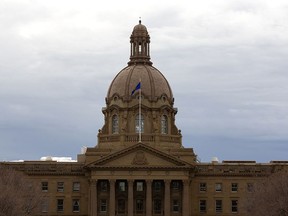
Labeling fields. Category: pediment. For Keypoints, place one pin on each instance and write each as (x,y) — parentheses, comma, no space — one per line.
(139,155)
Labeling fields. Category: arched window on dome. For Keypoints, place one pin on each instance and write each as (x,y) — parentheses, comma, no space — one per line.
(139,119)
(115,124)
(164,124)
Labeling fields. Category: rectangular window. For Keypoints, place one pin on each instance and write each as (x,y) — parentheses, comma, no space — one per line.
(218,187)
(157,185)
(139,206)
(176,185)
(202,205)
(157,206)
(44,205)
(139,186)
(60,205)
(76,205)
(234,187)
(104,185)
(60,186)
(218,205)
(122,186)
(44,186)
(176,207)
(76,186)
(202,187)
(234,206)
(103,205)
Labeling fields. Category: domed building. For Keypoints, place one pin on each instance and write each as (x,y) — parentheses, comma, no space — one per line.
(150,109)
(139,166)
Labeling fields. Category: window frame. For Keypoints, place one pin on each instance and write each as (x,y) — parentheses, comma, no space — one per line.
(234,206)
(141,121)
(103,205)
(202,206)
(234,187)
(218,187)
(218,206)
(115,124)
(60,186)
(76,186)
(76,204)
(60,206)
(164,124)
(44,186)
(202,186)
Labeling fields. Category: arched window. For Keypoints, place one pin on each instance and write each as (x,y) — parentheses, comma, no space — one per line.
(141,121)
(114,124)
(164,124)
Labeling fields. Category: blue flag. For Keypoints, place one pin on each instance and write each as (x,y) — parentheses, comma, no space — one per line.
(136,88)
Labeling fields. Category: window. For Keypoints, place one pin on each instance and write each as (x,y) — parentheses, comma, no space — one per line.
(44,186)
(175,185)
(202,187)
(103,205)
(234,187)
(218,187)
(234,206)
(157,185)
(60,186)
(139,186)
(250,187)
(157,206)
(122,186)
(103,185)
(218,205)
(141,121)
(121,205)
(76,205)
(164,124)
(114,124)
(60,205)
(76,186)
(44,205)
(202,205)
(139,205)
(176,207)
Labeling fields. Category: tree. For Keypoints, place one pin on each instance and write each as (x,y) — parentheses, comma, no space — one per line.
(270,196)
(19,196)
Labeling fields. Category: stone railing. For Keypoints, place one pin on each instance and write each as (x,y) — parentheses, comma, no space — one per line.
(135,138)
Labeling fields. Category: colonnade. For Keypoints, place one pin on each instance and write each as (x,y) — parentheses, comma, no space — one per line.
(148,207)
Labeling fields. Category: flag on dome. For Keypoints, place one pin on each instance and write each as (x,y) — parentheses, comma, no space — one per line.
(138,86)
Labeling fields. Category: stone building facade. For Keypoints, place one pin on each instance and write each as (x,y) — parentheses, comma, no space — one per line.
(139,165)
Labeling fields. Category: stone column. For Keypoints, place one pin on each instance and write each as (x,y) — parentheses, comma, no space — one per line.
(112,198)
(130,197)
(186,204)
(167,202)
(93,197)
(148,197)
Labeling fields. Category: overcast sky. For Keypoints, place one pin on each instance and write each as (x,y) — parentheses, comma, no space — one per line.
(226,61)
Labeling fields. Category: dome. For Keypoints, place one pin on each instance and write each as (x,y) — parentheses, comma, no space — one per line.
(153,84)
(140,30)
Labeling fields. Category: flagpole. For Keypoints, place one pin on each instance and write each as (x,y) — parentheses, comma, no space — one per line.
(140,117)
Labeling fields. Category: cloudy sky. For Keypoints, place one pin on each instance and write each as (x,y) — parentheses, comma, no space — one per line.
(226,61)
